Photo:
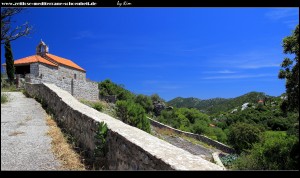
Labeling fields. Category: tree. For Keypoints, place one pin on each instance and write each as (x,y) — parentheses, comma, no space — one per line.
(133,114)
(242,136)
(107,88)
(145,102)
(10,69)
(7,32)
(290,70)
(156,98)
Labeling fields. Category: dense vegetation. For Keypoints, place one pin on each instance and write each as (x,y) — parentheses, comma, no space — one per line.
(108,88)
(276,151)
(133,114)
(131,109)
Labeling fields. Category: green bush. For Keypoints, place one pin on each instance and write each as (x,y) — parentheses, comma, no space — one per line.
(4,98)
(98,106)
(100,143)
(7,87)
(145,102)
(133,114)
(200,127)
(107,88)
(220,134)
(276,151)
(242,136)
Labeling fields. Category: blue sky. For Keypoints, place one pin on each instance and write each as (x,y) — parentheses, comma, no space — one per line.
(187,52)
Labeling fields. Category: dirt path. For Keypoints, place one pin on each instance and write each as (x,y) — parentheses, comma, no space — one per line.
(24,141)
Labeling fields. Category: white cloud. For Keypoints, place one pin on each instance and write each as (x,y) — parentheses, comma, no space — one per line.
(257,66)
(281,13)
(220,72)
(291,23)
(239,76)
(263,58)
(288,16)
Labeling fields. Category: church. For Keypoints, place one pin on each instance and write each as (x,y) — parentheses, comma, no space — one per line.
(49,68)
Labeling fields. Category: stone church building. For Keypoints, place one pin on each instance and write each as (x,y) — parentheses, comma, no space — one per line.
(49,68)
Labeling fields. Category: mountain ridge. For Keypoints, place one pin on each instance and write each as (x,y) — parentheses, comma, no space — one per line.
(216,105)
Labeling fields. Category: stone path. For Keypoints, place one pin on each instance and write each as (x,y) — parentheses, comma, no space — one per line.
(25,144)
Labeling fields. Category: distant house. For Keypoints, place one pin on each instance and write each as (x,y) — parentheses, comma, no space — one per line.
(49,68)
(260,101)
(211,125)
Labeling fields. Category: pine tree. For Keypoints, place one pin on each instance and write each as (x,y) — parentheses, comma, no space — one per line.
(10,68)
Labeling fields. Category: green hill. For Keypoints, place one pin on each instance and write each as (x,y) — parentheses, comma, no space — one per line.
(216,105)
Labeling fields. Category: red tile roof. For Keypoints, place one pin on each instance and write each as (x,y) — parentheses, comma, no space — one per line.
(38,58)
(64,61)
(33,59)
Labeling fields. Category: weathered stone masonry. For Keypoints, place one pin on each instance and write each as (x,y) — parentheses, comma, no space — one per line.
(63,78)
(128,147)
(202,138)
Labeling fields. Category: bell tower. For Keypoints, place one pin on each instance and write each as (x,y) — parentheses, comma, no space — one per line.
(42,48)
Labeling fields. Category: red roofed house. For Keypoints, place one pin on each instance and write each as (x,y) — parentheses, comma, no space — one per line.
(260,101)
(49,68)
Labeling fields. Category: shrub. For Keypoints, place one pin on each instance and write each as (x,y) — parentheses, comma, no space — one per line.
(133,114)
(4,98)
(107,88)
(145,102)
(242,136)
(98,106)
(276,151)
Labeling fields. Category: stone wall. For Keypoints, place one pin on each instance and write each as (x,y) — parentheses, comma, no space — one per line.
(46,72)
(202,138)
(86,90)
(129,148)
(67,72)
(62,77)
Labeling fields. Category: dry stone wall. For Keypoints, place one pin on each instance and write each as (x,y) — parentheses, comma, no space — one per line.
(128,148)
(202,138)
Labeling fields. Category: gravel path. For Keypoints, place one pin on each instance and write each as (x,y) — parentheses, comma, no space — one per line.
(195,149)
(24,141)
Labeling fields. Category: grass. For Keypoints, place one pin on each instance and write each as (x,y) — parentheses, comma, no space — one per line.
(169,132)
(9,88)
(4,98)
(100,106)
(165,131)
(195,141)
(64,151)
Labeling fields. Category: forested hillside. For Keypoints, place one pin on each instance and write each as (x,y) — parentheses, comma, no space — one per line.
(217,105)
